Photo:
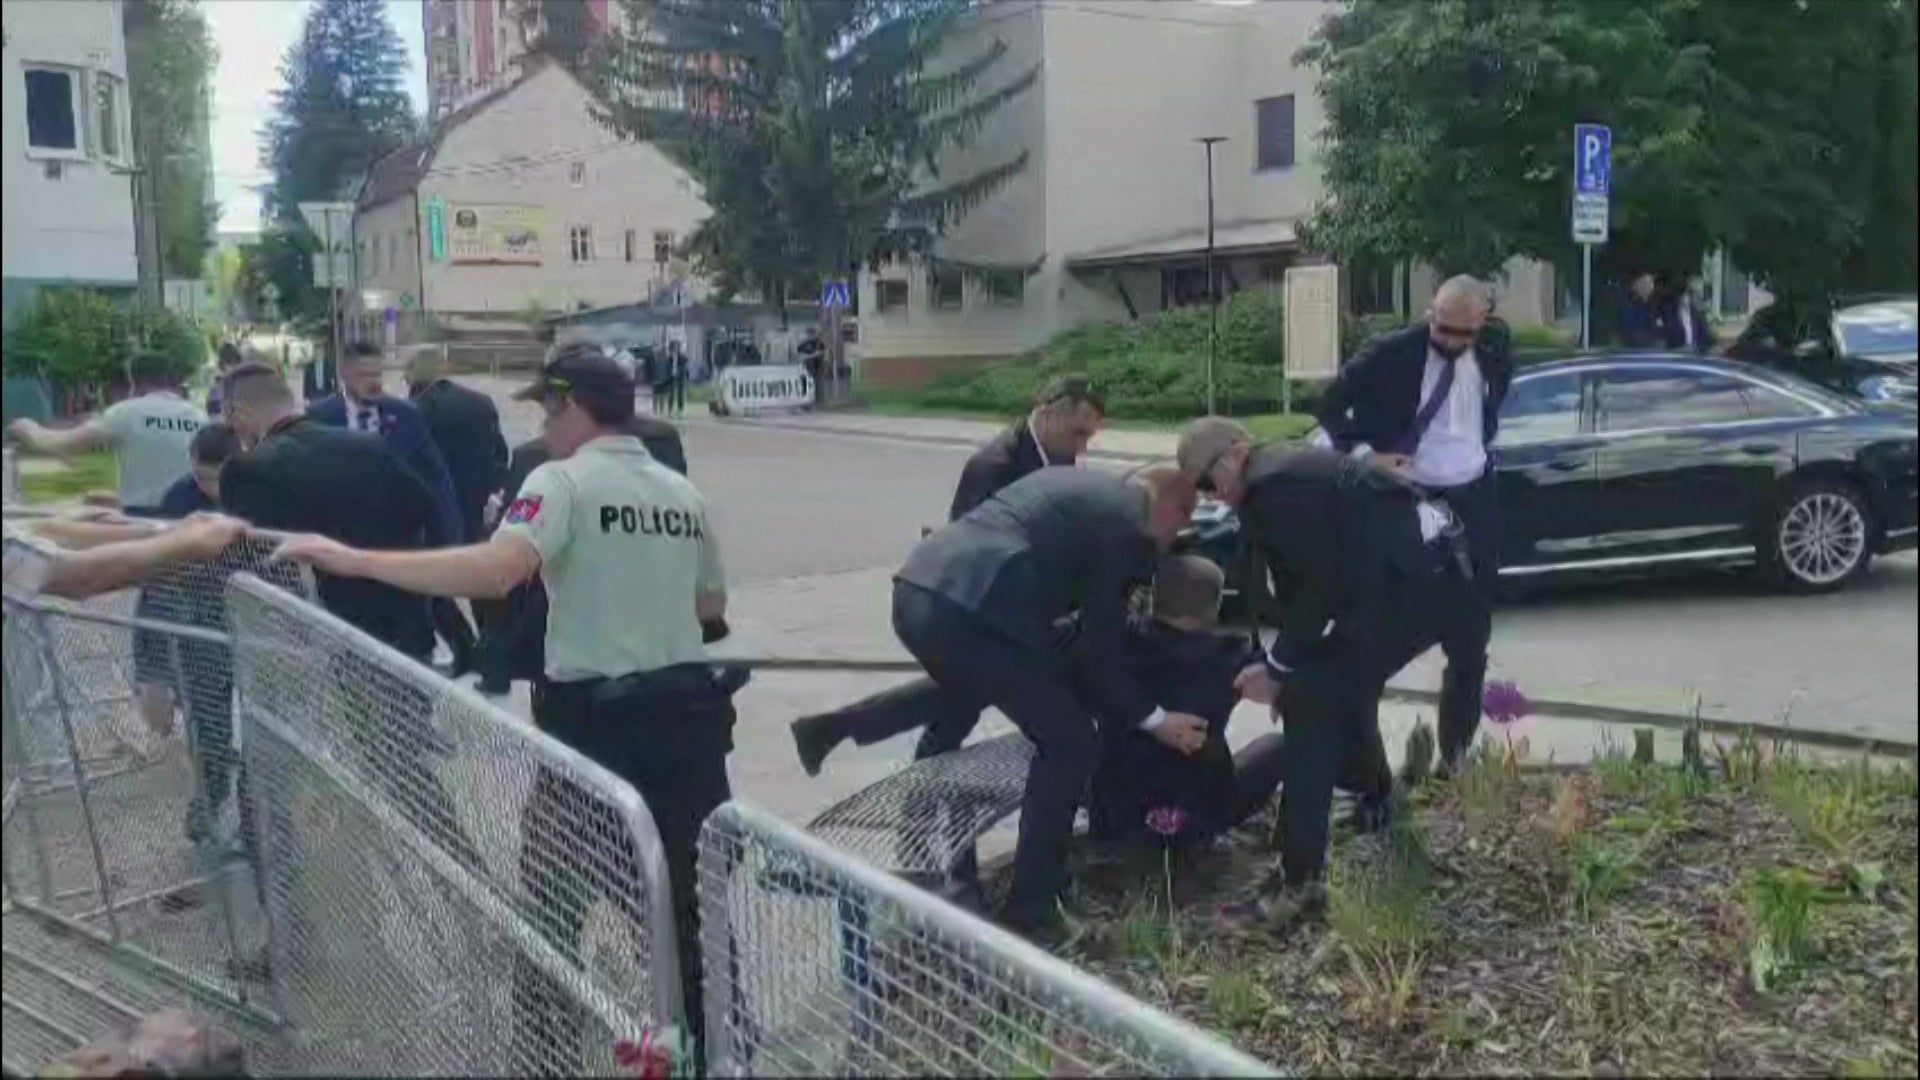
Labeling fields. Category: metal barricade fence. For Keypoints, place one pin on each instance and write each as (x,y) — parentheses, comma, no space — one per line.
(818,964)
(120,763)
(451,892)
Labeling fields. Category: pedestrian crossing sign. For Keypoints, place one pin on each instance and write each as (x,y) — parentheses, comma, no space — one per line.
(836,295)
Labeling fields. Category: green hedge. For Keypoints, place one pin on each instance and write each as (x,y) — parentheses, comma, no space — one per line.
(1154,369)
(79,338)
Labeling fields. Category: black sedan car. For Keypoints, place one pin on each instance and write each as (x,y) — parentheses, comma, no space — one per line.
(1621,463)
(1865,347)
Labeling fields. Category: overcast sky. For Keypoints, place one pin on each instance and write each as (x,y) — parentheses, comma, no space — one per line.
(252,36)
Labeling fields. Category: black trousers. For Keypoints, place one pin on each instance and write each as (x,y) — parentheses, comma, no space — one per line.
(1459,616)
(915,705)
(974,668)
(451,626)
(667,734)
(1331,705)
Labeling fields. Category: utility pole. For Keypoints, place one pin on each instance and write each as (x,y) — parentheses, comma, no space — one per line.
(1213,287)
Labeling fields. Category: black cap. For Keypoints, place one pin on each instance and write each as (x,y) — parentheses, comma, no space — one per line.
(586,375)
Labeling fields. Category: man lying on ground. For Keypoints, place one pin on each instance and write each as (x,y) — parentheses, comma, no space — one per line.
(1183,660)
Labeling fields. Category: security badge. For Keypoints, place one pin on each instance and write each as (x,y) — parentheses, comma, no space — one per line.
(523,510)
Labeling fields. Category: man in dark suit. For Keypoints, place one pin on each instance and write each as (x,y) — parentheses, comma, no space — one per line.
(300,476)
(465,427)
(1684,321)
(1640,319)
(1426,403)
(980,604)
(1065,417)
(514,629)
(1360,588)
(363,405)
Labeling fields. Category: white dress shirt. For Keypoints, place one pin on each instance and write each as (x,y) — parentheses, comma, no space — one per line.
(362,415)
(1454,449)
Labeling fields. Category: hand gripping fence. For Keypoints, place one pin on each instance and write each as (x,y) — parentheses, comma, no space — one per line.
(120,761)
(819,964)
(451,892)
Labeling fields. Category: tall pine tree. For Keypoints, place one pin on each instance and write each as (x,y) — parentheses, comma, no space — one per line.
(818,129)
(342,104)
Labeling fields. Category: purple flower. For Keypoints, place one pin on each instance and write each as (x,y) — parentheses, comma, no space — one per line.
(1168,821)
(1504,703)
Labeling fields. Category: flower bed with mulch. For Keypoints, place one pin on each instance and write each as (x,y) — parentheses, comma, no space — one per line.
(1751,912)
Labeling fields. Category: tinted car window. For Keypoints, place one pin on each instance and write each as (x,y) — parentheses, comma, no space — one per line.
(1873,329)
(1541,408)
(1668,398)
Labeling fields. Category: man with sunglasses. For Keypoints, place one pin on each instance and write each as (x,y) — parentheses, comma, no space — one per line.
(1066,415)
(1425,401)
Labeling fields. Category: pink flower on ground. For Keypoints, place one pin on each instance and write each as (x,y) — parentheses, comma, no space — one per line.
(1504,703)
(1168,821)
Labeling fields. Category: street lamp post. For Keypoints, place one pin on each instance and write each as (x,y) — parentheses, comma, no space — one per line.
(1213,289)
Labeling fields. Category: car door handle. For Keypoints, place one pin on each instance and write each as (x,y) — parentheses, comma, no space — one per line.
(1760,449)
(1567,464)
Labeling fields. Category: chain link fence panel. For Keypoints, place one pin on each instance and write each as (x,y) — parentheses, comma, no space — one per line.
(121,822)
(819,964)
(451,892)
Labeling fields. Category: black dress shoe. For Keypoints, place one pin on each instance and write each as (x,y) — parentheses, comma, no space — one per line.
(813,740)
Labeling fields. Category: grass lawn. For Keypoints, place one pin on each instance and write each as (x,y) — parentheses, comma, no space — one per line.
(1752,915)
(84,473)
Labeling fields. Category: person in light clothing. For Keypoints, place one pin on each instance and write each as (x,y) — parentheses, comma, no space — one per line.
(631,567)
(148,433)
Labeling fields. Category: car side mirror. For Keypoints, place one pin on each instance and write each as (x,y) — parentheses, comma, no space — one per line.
(1807,350)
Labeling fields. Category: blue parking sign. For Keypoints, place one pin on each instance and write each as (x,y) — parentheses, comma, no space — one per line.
(1592,159)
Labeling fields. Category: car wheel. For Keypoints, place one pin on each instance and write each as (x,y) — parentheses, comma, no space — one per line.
(1820,538)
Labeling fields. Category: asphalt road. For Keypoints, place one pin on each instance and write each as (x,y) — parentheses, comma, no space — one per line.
(796,503)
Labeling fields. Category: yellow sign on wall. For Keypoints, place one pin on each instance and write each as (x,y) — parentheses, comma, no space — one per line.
(495,233)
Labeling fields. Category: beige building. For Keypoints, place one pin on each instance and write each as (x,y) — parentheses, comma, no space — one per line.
(1108,219)
(519,200)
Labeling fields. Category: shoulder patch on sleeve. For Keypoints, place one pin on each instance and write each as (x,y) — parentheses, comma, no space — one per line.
(523,510)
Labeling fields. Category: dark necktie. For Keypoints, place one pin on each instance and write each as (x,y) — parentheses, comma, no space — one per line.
(1442,387)
(366,420)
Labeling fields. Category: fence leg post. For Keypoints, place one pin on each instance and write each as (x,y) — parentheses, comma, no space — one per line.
(56,679)
(16,751)
(717,860)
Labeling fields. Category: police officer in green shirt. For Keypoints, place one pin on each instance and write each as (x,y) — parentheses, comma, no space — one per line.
(631,567)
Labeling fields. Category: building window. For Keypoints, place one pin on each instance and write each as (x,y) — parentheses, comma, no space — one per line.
(662,247)
(580,243)
(1273,132)
(948,286)
(577,173)
(1183,287)
(53,121)
(1004,288)
(1373,287)
(890,294)
(107,115)
(630,244)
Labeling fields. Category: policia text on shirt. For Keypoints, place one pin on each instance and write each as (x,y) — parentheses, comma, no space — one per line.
(630,563)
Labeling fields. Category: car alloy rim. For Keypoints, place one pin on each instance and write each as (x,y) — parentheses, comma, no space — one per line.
(1823,538)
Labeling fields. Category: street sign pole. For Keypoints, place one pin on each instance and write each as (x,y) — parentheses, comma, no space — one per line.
(1586,297)
(1592,191)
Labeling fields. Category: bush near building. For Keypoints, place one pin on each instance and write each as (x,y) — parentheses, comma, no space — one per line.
(79,341)
(1153,369)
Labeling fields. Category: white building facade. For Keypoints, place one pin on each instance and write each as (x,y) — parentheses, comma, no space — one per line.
(520,202)
(1108,219)
(67,149)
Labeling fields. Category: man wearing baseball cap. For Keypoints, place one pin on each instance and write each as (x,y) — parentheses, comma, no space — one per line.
(632,568)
